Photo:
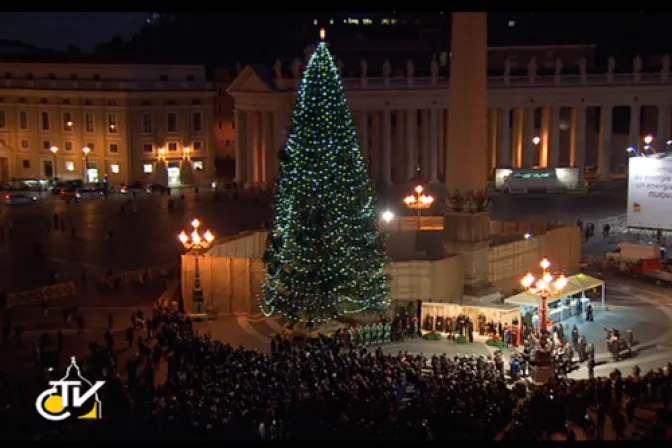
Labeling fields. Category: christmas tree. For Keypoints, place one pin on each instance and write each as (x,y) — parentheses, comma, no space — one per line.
(325,257)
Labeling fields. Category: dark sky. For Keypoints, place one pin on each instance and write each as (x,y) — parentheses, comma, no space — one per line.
(58,29)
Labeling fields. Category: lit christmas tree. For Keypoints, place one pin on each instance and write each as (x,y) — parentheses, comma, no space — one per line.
(325,257)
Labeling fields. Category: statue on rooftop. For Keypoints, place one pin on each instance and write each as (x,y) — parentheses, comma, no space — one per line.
(387,69)
(434,68)
(277,69)
(410,69)
(296,68)
(637,65)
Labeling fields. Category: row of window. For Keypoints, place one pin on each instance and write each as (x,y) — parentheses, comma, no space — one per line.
(110,103)
(112,123)
(95,77)
(197,145)
(70,166)
(148,167)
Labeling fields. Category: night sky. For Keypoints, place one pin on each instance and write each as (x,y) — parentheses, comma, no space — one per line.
(58,30)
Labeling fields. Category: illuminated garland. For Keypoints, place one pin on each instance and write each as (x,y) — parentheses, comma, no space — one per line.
(325,257)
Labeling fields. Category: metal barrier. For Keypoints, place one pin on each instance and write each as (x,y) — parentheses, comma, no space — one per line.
(141,276)
(36,296)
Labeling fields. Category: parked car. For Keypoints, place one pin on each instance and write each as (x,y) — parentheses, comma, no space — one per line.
(132,188)
(157,188)
(18,199)
(89,193)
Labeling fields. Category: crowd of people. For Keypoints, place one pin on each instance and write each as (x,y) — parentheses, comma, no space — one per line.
(320,389)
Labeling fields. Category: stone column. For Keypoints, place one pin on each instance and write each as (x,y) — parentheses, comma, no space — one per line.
(424,145)
(579,141)
(635,114)
(251,147)
(387,148)
(529,148)
(504,156)
(604,149)
(518,137)
(374,150)
(467,232)
(554,145)
(492,140)
(239,123)
(662,130)
(411,161)
(546,125)
(399,163)
(268,158)
(441,155)
(433,145)
(364,134)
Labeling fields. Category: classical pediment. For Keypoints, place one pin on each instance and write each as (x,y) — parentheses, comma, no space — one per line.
(253,79)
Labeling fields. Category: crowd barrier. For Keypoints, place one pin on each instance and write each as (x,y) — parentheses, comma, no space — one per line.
(36,296)
(141,276)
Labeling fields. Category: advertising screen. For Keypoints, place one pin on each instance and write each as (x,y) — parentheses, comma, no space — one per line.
(650,193)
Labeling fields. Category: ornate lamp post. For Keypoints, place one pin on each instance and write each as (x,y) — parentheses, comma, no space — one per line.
(545,287)
(86,150)
(418,201)
(197,244)
(54,150)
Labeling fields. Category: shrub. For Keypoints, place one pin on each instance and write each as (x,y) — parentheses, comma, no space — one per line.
(461,340)
(495,343)
(432,336)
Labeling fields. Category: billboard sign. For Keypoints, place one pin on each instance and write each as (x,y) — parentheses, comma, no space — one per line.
(650,192)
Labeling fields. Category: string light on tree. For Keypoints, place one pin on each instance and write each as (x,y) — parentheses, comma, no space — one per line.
(325,256)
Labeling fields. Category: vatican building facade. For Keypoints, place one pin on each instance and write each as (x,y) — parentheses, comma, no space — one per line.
(550,118)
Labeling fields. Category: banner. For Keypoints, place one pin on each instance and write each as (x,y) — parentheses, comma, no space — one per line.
(35,296)
(650,192)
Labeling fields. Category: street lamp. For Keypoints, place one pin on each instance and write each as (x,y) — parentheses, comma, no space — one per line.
(186,151)
(418,202)
(387,216)
(536,140)
(162,153)
(54,150)
(545,287)
(648,139)
(197,244)
(86,150)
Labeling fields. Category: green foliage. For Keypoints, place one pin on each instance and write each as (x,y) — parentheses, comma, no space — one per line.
(432,336)
(495,343)
(461,340)
(325,257)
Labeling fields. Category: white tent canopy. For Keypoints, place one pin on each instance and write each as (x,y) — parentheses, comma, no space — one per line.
(575,284)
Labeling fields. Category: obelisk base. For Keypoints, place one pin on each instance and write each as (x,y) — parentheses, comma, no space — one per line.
(468,234)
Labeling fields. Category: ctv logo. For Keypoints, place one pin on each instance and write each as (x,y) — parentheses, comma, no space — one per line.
(73,396)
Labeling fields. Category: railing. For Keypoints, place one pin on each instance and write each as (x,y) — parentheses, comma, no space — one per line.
(441,82)
(47,84)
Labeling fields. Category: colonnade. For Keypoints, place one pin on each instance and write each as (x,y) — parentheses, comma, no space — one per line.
(406,145)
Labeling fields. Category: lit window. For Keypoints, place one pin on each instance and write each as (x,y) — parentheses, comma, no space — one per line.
(147,168)
(198,165)
(367,21)
(331,21)
(114,168)
(352,21)
(314,21)
(394,21)
(70,166)
(512,23)
(385,21)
